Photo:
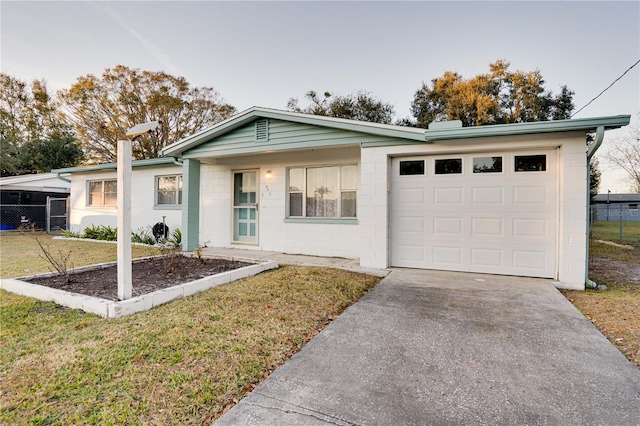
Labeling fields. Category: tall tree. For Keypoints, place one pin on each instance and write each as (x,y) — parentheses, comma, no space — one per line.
(41,156)
(360,105)
(624,153)
(103,108)
(497,97)
(29,114)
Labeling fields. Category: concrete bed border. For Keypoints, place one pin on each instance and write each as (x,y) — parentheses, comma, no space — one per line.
(115,309)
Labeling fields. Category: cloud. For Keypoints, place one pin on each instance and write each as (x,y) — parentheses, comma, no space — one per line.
(151,48)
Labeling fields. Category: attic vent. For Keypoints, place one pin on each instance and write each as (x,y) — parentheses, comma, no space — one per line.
(262,130)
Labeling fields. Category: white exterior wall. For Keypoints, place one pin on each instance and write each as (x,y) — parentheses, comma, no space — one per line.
(572,186)
(317,239)
(144,213)
(45,182)
(572,221)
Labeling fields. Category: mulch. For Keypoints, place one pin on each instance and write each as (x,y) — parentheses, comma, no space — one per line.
(148,275)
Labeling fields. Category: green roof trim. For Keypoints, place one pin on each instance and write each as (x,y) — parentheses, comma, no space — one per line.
(399,135)
(251,114)
(161,161)
(515,129)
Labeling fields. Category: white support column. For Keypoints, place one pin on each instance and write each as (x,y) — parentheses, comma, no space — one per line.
(125,288)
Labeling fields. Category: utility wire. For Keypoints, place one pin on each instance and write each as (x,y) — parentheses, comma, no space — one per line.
(608,87)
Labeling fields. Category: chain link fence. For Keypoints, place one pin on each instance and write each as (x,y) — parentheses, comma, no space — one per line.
(14,216)
(619,223)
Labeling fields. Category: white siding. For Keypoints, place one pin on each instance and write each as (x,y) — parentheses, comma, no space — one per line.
(318,239)
(143,213)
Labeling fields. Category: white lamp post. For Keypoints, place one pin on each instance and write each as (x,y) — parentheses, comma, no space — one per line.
(125,289)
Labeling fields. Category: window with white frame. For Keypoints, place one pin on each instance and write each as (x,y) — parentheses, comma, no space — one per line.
(102,193)
(322,192)
(169,190)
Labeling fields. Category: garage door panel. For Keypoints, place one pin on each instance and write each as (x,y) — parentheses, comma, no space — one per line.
(449,256)
(502,223)
(487,227)
(448,196)
(531,196)
(412,224)
(531,227)
(413,255)
(487,258)
(447,226)
(531,260)
(491,195)
(412,196)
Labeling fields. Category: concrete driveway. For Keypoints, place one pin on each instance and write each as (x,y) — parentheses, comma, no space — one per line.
(432,347)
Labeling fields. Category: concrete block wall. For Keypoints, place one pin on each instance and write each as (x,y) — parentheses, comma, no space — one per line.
(316,239)
(143,211)
(572,210)
(374,208)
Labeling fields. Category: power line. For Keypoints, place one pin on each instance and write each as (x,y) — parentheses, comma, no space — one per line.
(608,87)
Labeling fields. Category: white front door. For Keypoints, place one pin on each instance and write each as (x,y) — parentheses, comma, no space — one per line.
(487,212)
(245,207)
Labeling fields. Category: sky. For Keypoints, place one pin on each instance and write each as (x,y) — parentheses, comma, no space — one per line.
(263,53)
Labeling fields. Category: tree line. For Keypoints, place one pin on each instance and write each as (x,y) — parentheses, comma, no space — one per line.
(41,131)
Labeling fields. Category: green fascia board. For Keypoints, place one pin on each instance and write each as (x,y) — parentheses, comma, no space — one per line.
(263,150)
(396,142)
(160,161)
(254,113)
(515,129)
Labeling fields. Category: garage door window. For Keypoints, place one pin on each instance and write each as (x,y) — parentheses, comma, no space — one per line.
(449,166)
(487,165)
(414,167)
(323,191)
(530,163)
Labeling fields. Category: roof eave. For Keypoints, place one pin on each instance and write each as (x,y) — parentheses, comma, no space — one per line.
(579,124)
(251,114)
(160,161)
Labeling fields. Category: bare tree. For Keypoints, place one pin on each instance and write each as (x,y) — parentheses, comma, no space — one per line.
(624,153)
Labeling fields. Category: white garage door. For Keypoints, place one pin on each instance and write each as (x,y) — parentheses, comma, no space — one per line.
(491,213)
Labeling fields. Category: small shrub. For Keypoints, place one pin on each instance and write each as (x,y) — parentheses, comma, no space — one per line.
(176,237)
(143,236)
(70,234)
(198,253)
(100,232)
(59,260)
(173,260)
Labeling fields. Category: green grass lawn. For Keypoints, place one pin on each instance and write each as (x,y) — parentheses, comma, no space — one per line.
(615,312)
(610,231)
(20,255)
(182,363)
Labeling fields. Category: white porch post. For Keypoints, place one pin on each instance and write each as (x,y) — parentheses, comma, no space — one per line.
(125,289)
